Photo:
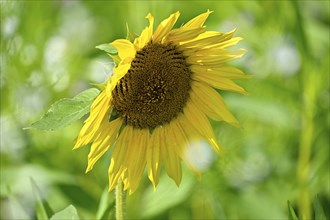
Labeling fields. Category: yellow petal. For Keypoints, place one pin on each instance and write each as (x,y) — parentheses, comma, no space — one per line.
(118,158)
(136,157)
(99,111)
(115,178)
(125,48)
(165,26)
(192,135)
(151,24)
(219,82)
(125,180)
(103,141)
(199,20)
(153,158)
(171,160)
(221,72)
(208,38)
(211,103)
(119,72)
(146,34)
(215,59)
(226,43)
(175,135)
(200,122)
(183,34)
(215,52)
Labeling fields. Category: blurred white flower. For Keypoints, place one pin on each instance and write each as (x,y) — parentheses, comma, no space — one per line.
(199,155)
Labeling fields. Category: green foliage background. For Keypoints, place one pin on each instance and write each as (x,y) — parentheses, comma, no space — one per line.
(281,152)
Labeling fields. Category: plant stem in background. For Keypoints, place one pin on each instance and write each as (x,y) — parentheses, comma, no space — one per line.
(120,201)
(303,170)
(308,87)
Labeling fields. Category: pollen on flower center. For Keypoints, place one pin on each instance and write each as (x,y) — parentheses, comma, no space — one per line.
(156,87)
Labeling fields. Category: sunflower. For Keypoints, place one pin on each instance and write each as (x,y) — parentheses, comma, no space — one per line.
(160,97)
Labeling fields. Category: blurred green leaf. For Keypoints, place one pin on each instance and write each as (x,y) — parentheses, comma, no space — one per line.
(69,212)
(292,214)
(80,197)
(66,111)
(43,210)
(155,202)
(11,208)
(107,48)
(106,206)
(318,209)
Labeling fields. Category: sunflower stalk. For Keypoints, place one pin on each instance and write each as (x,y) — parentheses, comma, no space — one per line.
(120,201)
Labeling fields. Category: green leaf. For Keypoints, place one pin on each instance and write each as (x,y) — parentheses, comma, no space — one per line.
(319,212)
(155,202)
(100,86)
(112,52)
(116,59)
(43,210)
(11,208)
(292,214)
(66,111)
(69,212)
(107,48)
(106,206)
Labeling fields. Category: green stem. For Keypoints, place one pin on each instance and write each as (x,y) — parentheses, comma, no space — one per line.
(308,86)
(120,201)
(303,171)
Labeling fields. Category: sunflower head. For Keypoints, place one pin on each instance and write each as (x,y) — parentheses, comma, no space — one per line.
(150,95)
(161,95)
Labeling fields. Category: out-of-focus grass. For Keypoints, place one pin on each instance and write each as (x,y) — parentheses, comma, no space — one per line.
(48,52)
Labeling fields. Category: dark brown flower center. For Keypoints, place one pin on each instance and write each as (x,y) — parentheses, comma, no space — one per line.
(155,89)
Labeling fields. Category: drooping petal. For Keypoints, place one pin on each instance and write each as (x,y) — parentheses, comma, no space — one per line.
(200,122)
(210,102)
(125,180)
(183,134)
(103,141)
(136,157)
(190,135)
(165,26)
(99,111)
(146,34)
(119,156)
(171,160)
(175,135)
(115,177)
(125,48)
(153,157)
(199,20)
